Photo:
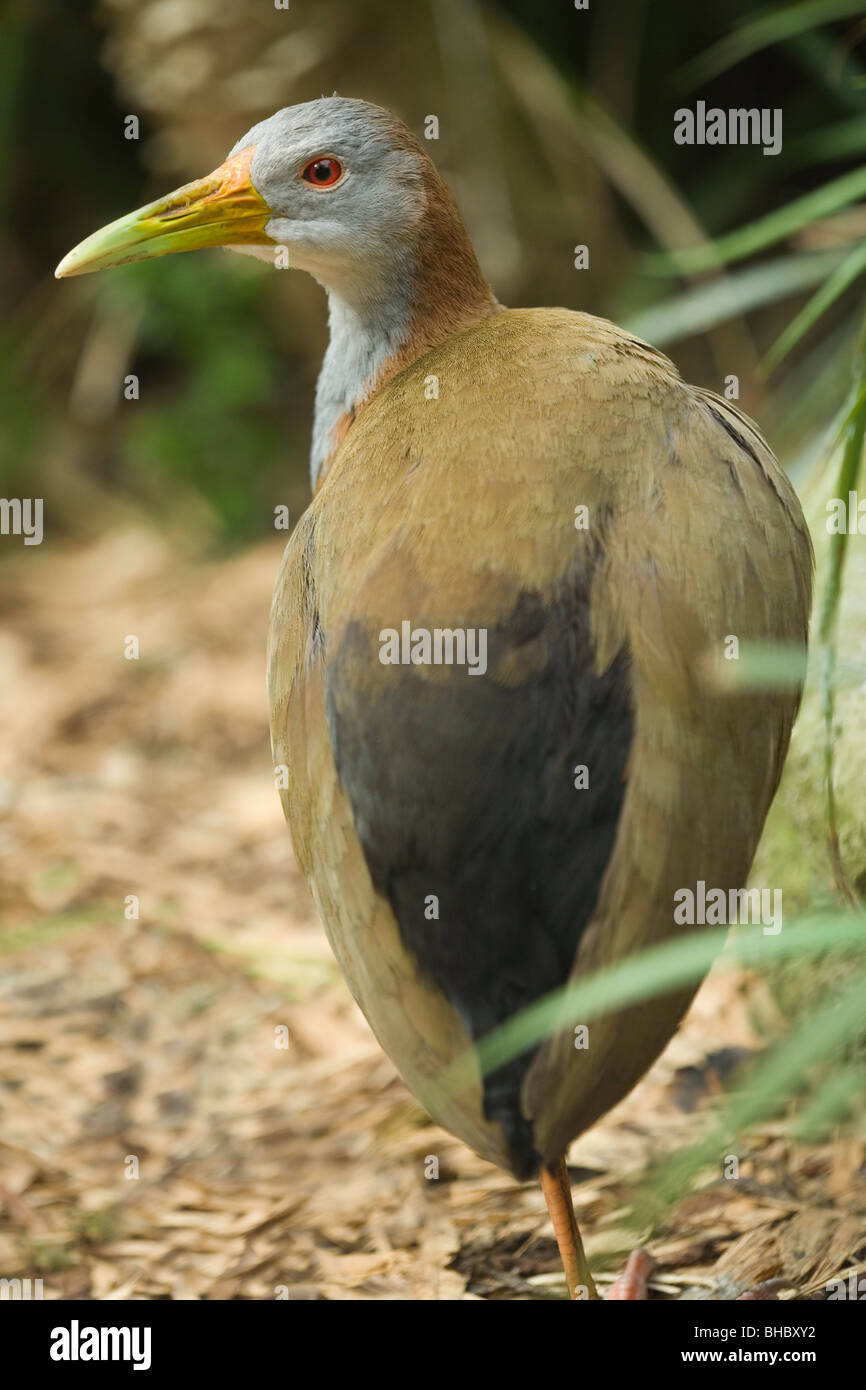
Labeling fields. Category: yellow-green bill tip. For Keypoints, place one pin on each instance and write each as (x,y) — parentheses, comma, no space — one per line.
(223,209)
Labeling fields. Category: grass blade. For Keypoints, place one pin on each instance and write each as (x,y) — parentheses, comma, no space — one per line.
(849,474)
(658,970)
(774,26)
(777,1077)
(766,231)
(835,285)
(704,306)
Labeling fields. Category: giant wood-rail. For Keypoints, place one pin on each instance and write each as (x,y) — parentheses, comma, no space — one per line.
(546,487)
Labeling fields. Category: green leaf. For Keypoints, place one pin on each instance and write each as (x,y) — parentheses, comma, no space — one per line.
(774,26)
(702,307)
(773,1082)
(834,67)
(854,433)
(835,285)
(658,970)
(774,227)
(769,666)
(842,140)
(830,1103)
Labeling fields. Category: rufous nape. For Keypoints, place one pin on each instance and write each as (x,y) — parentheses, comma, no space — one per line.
(496,633)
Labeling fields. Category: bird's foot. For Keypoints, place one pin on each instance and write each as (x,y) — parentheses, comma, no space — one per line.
(632,1283)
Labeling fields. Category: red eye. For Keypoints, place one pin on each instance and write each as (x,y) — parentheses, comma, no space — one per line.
(323,172)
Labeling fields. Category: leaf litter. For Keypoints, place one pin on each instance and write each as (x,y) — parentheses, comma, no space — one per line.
(158,1141)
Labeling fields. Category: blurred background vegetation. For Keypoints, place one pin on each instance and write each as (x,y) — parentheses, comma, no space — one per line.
(556,129)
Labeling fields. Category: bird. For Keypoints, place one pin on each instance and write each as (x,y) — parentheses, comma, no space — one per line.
(496,634)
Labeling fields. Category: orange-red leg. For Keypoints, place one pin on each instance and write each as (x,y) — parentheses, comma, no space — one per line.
(557,1194)
(632,1283)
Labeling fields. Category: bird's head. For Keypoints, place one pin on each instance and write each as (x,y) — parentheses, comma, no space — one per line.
(339,182)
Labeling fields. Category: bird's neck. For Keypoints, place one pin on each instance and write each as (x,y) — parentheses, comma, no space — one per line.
(392,315)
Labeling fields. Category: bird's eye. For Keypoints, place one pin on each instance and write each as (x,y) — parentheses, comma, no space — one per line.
(323,172)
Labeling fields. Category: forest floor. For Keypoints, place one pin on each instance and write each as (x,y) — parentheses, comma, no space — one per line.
(158,1141)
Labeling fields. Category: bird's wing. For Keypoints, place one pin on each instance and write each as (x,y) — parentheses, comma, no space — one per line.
(710,554)
(461,867)
(412,1019)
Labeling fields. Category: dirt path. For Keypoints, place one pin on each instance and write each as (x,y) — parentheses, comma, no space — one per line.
(158,1140)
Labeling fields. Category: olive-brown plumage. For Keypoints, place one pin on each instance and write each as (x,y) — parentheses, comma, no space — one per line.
(433,511)
(478,832)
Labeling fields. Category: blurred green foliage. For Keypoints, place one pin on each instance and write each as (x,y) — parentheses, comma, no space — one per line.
(225,416)
(215,426)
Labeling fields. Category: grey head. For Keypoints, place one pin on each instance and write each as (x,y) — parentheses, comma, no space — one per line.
(358,204)
(345,182)
(349,194)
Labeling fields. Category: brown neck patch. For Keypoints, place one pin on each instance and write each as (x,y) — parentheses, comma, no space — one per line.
(450,290)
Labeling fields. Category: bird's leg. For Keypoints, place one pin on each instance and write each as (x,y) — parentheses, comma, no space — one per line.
(557,1194)
(632,1283)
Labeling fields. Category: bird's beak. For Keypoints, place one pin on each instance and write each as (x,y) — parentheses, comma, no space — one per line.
(223,209)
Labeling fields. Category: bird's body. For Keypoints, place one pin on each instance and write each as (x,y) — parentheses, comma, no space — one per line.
(412,780)
(497,632)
